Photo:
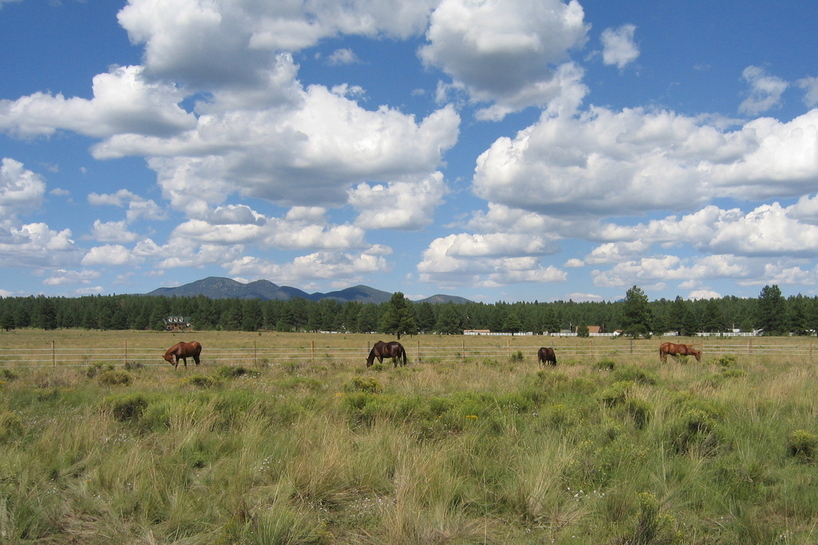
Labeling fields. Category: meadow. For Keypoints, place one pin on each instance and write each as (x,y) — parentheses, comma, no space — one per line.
(289,438)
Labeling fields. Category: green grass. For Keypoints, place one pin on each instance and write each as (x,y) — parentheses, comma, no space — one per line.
(481,450)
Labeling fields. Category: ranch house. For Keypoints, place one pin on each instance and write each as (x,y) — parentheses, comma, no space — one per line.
(177,323)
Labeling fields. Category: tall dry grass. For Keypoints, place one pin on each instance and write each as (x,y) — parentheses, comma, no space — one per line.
(607,447)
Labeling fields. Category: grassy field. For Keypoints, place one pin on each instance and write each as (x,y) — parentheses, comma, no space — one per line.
(473,442)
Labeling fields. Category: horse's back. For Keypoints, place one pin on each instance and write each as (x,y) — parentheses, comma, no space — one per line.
(546,354)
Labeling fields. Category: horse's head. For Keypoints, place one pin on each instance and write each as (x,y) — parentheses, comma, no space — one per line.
(168,357)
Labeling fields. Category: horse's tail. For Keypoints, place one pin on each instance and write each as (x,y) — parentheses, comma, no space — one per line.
(403,354)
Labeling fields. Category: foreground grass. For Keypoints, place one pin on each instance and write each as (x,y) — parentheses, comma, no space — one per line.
(619,450)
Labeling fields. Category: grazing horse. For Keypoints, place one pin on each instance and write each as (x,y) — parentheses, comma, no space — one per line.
(678,350)
(183,351)
(546,355)
(383,350)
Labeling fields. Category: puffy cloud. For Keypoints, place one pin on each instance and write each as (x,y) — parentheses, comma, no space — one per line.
(228,43)
(616,252)
(325,145)
(600,163)
(337,266)
(805,210)
(343,56)
(777,160)
(137,206)
(470,39)
(765,91)
(301,228)
(35,245)
(63,277)
(655,270)
(618,163)
(810,85)
(704,294)
(21,190)
(112,231)
(487,260)
(124,103)
(398,205)
(767,230)
(618,46)
(110,255)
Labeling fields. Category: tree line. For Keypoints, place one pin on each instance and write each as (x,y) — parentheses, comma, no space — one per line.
(771,312)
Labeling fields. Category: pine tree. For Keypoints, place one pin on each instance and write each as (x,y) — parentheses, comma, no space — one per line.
(771,310)
(449,320)
(637,318)
(512,323)
(398,318)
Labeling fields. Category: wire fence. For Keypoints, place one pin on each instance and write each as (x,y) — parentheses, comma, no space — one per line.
(417,350)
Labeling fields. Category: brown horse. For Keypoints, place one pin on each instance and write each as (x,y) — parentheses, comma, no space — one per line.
(183,351)
(383,350)
(678,350)
(546,355)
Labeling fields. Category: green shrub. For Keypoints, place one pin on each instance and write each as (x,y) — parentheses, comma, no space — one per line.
(725,361)
(802,445)
(115,377)
(733,373)
(640,411)
(126,407)
(359,384)
(560,415)
(201,381)
(229,372)
(98,368)
(516,356)
(7,374)
(635,374)
(605,365)
(11,425)
(616,393)
(651,527)
(694,428)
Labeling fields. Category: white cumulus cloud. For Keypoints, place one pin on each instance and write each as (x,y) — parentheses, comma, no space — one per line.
(618,46)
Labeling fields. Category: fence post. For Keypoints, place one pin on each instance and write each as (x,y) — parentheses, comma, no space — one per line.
(53,354)
(463,350)
(312,352)
(126,353)
(420,358)
(255,354)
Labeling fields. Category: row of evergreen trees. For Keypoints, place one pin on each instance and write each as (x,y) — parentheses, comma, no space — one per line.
(635,315)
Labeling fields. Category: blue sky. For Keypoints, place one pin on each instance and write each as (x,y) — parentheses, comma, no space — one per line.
(500,151)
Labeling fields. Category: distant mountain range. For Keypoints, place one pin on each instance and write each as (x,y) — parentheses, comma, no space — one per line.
(215,287)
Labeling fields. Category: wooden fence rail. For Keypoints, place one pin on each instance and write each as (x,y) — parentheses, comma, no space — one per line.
(417,351)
